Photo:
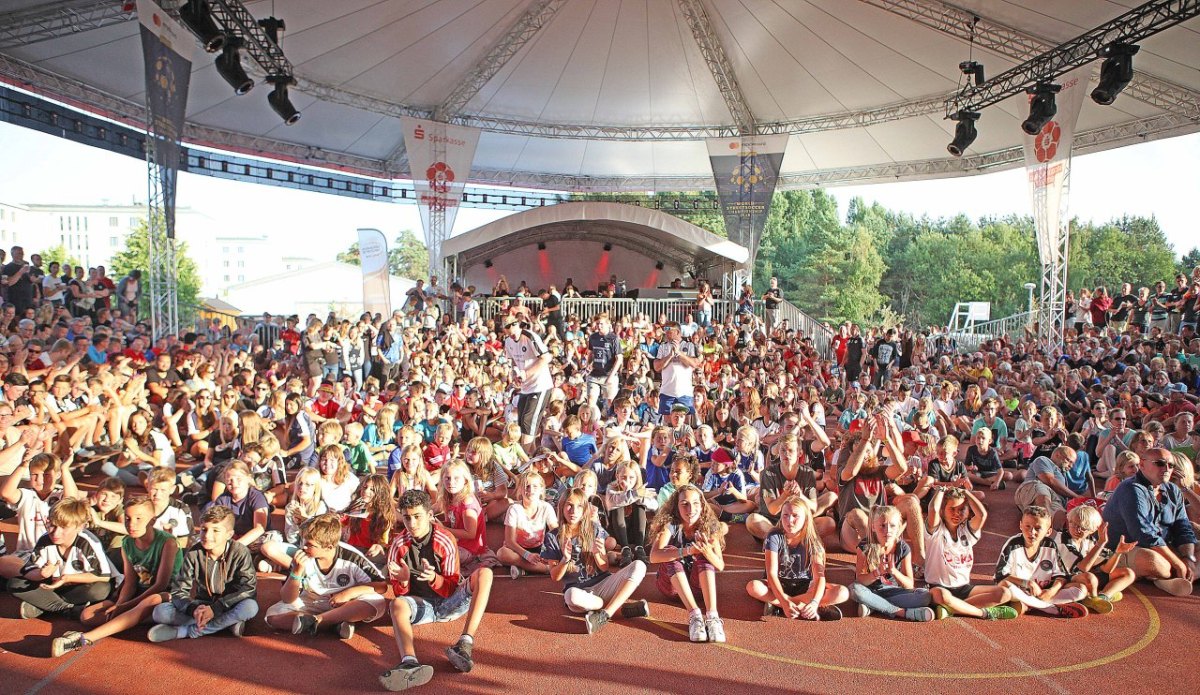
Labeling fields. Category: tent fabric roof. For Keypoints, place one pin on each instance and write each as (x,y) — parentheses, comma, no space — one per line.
(609,95)
(631,226)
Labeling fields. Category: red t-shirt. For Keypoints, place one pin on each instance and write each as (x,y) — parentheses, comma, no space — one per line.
(435,457)
(326,410)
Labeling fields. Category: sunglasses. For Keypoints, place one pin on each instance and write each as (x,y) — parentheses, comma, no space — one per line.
(1160,464)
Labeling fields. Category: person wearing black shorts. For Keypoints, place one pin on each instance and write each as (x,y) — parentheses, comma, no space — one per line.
(530,360)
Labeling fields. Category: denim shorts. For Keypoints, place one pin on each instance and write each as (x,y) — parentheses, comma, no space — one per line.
(440,610)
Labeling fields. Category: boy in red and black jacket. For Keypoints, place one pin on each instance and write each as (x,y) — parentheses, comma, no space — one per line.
(424,572)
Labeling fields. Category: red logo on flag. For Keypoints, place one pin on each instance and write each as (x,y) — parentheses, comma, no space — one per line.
(419,133)
(1045,143)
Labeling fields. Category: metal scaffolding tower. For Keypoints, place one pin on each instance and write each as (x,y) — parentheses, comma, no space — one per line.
(163,270)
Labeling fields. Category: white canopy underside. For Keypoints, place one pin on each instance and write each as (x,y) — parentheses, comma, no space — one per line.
(617,94)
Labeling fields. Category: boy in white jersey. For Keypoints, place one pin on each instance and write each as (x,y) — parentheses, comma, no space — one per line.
(1032,570)
(33,504)
(329,583)
(531,366)
(955,522)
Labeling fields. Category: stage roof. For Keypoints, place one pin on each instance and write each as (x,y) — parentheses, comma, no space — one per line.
(618,95)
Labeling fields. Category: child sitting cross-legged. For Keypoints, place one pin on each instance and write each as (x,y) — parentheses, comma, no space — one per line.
(151,558)
(1032,570)
(423,568)
(884,572)
(214,589)
(794,564)
(1083,546)
(955,521)
(329,583)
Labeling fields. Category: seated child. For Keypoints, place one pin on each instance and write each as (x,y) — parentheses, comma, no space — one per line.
(884,572)
(214,589)
(578,447)
(437,453)
(956,519)
(725,487)
(578,556)
(370,518)
(947,470)
(685,470)
(1126,464)
(626,502)
(460,512)
(983,462)
(1032,570)
(170,515)
(791,475)
(423,568)
(491,480)
(1083,547)
(794,562)
(689,543)
(525,526)
(328,583)
(32,504)
(248,504)
(278,548)
(108,516)
(67,570)
(409,472)
(150,558)
(657,457)
(358,454)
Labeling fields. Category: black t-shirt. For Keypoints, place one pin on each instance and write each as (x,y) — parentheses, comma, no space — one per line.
(854,349)
(984,463)
(21,291)
(1122,313)
(773,298)
(604,350)
(168,379)
(772,480)
(552,303)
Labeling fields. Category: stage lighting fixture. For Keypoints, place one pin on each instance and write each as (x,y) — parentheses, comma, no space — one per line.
(964,133)
(1115,73)
(279,101)
(197,16)
(974,68)
(229,67)
(659,266)
(1041,107)
(487,263)
(541,246)
(608,247)
(274,28)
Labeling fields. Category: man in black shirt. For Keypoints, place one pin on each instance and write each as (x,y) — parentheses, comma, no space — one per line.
(552,311)
(1122,308)
(772,298)
(19,287)
(606,358)
(855,349)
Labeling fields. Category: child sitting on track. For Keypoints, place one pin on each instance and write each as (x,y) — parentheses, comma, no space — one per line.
(794,561)
(1032,570)
(688,541)
(884,572)
(956,520)
(525,526)
(1083,547)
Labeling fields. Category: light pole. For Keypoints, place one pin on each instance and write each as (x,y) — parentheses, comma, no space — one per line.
(1030,287)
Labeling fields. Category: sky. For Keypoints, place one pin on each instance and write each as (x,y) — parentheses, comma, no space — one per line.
(1160,178)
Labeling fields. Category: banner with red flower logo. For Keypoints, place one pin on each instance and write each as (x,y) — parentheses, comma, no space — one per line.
(439,158)
(1048,164)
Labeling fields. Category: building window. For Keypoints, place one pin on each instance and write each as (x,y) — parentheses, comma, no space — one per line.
(113,221)
(225,263)
(226,278)
(133,222)
(114,241)
(241,264)
(241,278)
(224,249)
(241,249)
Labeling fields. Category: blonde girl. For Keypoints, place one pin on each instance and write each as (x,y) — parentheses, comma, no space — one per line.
(491,480)
(747,454)
(251,426)
(410,473)
(1127,463)
(525,526)
(955,524)
(587,482)
(626,502)
(379,435)
(508,451)
(657,457)
(794,563)
(461,512)
(577,555)
(338,482)
(688,545)
(305,503)
(883,572)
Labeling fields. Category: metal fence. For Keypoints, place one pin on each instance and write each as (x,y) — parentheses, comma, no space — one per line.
(1010,326)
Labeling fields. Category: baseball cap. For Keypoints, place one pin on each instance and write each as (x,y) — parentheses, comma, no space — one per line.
(1178,388)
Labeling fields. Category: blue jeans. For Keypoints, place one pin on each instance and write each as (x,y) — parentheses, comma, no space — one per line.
(127,474)
(703,318)
(167,614)
(889,599)
(665,403)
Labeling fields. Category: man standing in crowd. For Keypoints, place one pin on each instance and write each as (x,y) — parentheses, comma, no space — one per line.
(17,282)
(129,293)
(605,351)
(772,298)
(675,362)
(530,361)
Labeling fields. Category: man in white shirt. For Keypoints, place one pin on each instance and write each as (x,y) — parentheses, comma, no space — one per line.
(530,359)
(676,361)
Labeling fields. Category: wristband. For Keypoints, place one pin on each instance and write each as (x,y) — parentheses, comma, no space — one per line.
(297,577)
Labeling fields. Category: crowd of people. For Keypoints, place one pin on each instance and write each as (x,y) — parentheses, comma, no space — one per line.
(393,465)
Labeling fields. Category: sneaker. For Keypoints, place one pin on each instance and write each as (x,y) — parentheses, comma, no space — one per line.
(406,676)
(1114,597)
(697,632)
(941,612)
(1175,587)
(738,519)
(516,572)
(1097,604)
(636,609)
(1071,610)
(770,610)
(304,625)
(69,642)
(716,629)
(459,655)
(238,629)
(639,553)
(265,566)
(863,611)
(1005,612)
(626,556)
(30,611)
(829,613)
(595,620)
(345,630)
(919,615)
(162,633)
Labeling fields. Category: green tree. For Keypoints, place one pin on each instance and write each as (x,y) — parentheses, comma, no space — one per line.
(1190,260)
(407,257)
(57,254)
(136,256)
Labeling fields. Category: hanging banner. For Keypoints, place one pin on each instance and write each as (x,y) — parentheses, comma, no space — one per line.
(439,158)
(166,49)
(377,280)
(1048,164)
(746,170)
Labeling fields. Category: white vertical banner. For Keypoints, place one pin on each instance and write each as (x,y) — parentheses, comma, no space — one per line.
(1048,164)
(373,255)
(439,159)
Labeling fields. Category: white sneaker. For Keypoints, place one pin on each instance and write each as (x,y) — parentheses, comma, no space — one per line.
(265,566)
(697,631)
(1175,587)
(716,629)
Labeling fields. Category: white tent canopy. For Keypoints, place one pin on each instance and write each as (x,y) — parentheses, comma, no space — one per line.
(597,94)
(574,236)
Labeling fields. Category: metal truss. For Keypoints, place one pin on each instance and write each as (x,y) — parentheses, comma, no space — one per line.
(718,64)
(45,22)
(1052,309)
(1136,25)
(234,18)
(1022,46)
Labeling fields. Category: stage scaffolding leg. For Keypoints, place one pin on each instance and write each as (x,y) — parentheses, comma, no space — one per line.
(163,284)
(1051,318)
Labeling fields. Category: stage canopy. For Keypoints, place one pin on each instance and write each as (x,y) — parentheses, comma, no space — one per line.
(607,95)
(575,235)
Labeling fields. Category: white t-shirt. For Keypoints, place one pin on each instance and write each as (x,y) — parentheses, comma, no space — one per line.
(523,352)
(949,557)
(531,530)
(175,520)
(1043,569)
(350,568)
(676,376)
(86,555)
(337,497)
(32,514)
